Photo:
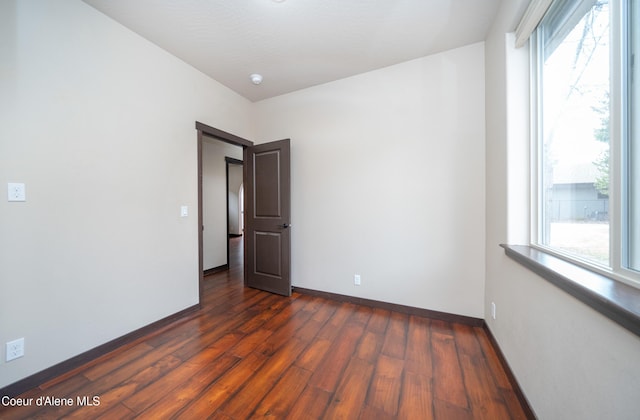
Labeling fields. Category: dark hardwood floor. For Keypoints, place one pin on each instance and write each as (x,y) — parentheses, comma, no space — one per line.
(250,354)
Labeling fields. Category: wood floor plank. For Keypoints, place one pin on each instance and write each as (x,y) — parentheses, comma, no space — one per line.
(187,391)
(486,402)
(118,411)
(441,327)
(250,354)
(128,370)
(310,330)
(466,341)
(416,400)
(311,405)
(352,391)
(513,404)
(212,398)
(318,319)
(342,349)
(314,354)
(109,393)
(418,356)
(384,391)
(117,394)
(152,393)
(219,416)
(250,342)
(483,393)
(327,309)
(379,320)
(315,303)
(62,388)
(337,321)
(492,359)
(278,402)
(272,307)
(287,314)
(395,340)
(444,410)
(448,382)
(242,404)
(370,413)
(233,302)
(194,345)
(80,385)
(281,335)
(369,346)
(196,325)
(246,299)
(362,315)
(117,360)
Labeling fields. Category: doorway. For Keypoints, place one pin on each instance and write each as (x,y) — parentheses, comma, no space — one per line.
(266,180)
(219,208)
(210,135)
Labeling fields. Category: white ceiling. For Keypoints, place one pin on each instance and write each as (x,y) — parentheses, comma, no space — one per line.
(300,43)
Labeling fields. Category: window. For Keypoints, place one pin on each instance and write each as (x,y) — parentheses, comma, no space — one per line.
(586,123)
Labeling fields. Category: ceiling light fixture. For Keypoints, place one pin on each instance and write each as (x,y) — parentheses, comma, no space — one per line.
(256,78)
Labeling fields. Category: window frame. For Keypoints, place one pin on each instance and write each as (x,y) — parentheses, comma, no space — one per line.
(619,150)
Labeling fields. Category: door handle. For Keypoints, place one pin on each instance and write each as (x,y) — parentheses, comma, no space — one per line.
(285,225)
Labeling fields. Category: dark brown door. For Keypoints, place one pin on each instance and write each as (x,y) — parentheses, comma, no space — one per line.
(267,217)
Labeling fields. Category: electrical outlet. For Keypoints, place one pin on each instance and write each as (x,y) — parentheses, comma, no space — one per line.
(16,192)
(15,349)
(493,310)
(356,279)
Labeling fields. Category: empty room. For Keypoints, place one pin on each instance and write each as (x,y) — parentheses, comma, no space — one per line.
(418,209)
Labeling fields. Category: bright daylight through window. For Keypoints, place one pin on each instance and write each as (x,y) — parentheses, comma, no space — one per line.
(586,132)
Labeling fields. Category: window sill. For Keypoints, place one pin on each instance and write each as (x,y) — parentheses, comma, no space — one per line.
(613,299)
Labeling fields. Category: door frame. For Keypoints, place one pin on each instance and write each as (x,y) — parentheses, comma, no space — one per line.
(202,131)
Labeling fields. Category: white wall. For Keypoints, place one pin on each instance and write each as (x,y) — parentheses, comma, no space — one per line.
(235,216)
(214,200)
(99,124)
(571,362)
(387,182)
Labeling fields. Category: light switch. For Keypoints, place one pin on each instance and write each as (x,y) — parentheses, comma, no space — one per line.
(16,192)
(184,211)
